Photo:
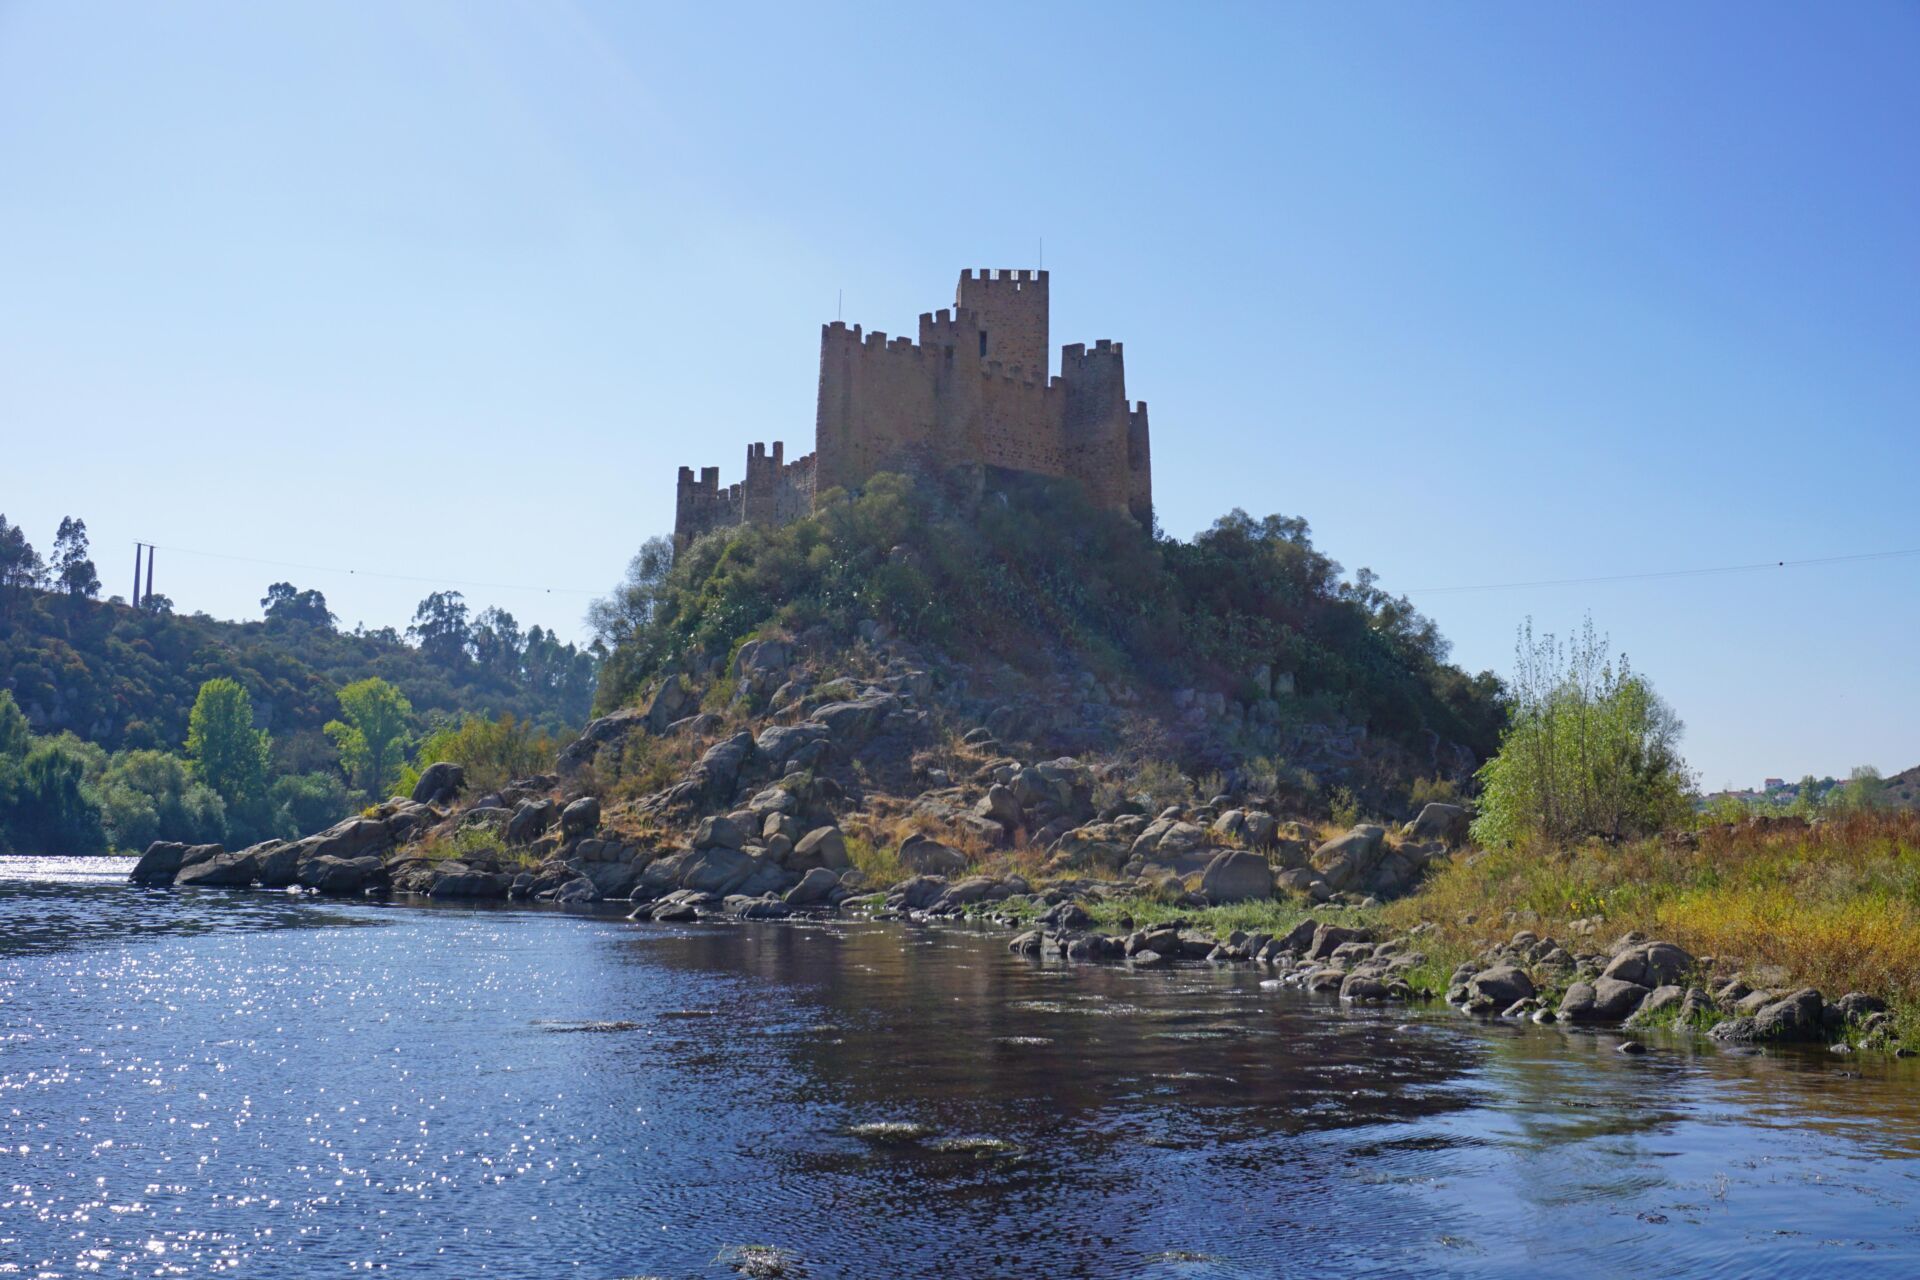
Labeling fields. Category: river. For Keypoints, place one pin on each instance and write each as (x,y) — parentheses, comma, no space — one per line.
(251,1084)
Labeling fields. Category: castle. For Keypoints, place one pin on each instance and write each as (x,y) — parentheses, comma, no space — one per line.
(972,396)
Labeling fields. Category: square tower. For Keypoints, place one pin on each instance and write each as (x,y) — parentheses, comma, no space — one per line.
(1012,310)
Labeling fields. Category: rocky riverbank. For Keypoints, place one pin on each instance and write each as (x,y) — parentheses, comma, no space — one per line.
(815,792)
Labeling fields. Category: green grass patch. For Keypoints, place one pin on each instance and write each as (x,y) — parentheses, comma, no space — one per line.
(1835,906)
(880,864)
(1110,915)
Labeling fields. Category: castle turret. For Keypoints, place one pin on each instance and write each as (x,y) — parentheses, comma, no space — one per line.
(1011,307)
(1097,422)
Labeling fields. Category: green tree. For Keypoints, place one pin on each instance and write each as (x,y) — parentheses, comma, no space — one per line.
(616,618)
(497,642)
(149,795)
(1806,798)
(21,569)
(16,735)
(440,628)
(372,736)
(54,810)
(72,568)
(304,803)
(227,752)
(284,603)
(1590,749)
(1864,789)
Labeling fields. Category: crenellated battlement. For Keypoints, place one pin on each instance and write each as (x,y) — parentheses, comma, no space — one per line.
(973,393)
(988,276)
(774,492)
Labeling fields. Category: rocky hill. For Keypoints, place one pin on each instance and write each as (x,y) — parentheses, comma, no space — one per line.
(1045,620)
(853,785)
(949,705)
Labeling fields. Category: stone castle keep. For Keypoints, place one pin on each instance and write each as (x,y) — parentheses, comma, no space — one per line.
(973,395)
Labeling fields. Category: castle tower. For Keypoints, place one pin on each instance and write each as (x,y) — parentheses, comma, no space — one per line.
(760,494)
(1097,422)
(1012,310)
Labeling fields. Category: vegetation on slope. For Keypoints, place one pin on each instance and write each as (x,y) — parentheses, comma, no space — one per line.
(1035,576)
(126,678)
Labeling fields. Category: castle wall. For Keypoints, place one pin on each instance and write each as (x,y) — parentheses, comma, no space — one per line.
(877,404)
(1022,423)
(775,492)
(1139,466)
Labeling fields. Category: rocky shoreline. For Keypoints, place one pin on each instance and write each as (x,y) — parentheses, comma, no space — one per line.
(762,820)
(1632,984)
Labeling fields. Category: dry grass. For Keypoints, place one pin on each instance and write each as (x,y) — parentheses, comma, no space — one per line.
(1836,906)
(887,823)
(465,843)
(877,860)
(644,764)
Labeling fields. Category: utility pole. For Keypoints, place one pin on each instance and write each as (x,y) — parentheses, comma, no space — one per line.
(150,551)
(135,597)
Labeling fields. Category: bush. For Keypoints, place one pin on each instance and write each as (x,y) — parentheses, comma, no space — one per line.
(1158,785)
(493,752)
(1343,807)
(1836,905)
(1590,750)
(304,803)
(54,810)
(150,795)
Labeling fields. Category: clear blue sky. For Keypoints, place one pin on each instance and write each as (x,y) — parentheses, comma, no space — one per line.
(1488,293)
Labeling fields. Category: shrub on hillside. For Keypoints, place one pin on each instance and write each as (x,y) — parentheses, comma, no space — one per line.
(493,752)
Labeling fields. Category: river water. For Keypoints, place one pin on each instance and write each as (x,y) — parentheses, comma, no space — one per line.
(216,1083)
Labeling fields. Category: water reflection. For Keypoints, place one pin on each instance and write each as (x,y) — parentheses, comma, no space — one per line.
(191,1082)
(56,904)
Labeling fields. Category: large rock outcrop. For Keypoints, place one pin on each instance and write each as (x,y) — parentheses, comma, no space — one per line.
(1236,875)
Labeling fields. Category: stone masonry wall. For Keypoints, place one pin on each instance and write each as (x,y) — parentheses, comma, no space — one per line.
(775,492)
(973,393)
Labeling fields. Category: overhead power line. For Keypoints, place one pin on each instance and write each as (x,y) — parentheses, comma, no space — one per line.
(1650,575)
(380,574)
(1671,573)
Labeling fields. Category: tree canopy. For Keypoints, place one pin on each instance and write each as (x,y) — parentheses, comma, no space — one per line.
(284,603)
(72,568)
(227,752)
(372,733)
(126,677)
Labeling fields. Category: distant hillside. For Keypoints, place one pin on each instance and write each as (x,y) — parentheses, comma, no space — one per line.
(126,678)
(1903,789)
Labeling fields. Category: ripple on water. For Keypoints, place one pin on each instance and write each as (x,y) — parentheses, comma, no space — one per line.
(890,1133)
(193,1083)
